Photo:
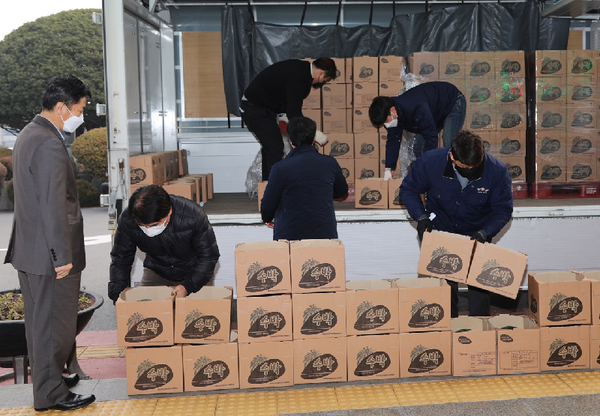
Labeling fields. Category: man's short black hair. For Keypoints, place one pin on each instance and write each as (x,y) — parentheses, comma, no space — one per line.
(467,147)
(380,110)
(327,65)
(149,204)
(301,130)
(64,89)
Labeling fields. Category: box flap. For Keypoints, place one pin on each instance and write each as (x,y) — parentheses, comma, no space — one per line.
(334,242)
(212,292)
(256,245)
(368,284)
(512,321)
(145,293)
(420,282)
(468,323)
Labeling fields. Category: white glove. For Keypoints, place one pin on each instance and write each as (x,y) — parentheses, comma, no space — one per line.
(388,174)
(321,138)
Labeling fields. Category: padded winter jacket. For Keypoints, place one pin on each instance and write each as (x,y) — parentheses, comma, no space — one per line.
(186,251)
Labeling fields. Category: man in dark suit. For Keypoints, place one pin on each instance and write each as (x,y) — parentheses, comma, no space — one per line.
(46,245)
(302,187)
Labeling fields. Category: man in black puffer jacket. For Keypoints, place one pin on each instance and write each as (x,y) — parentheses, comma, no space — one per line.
(174,233)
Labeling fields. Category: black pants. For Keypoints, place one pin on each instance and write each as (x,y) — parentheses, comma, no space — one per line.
(263,124)
(479,300)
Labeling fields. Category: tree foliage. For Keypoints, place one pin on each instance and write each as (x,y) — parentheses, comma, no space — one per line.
(90,149)
(63,43)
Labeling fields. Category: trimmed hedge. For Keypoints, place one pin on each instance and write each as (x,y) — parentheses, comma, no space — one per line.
(87,194)
(91,151)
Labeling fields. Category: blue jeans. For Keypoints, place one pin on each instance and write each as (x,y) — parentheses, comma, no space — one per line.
(452,124)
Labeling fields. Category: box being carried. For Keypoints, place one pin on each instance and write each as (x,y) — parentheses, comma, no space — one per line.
(318,265)
(145,317)
(266,364)
(426,354)
(445,255)
(371,193)
(473,347)
(371,307)
(204,317)
(559,298)
(565,348)
(424,304)
(154,370)
(262,268)
(497,269)
(518,340)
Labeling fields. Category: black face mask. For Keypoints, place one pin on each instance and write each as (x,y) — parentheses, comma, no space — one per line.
(318,85)
(465,172)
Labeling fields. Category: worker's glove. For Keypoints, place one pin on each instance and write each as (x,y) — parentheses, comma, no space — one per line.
(320,138)
(424,224)
(387,174)
(480,236)
(283,122)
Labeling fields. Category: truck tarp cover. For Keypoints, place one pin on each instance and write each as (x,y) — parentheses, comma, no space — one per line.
(249,47)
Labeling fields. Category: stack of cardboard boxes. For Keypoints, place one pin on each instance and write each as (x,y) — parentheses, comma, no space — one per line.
(177,344)
(564,135)
(169,169)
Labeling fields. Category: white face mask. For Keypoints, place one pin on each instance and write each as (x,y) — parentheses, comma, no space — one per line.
(391,124)
(72,122)
(154,230)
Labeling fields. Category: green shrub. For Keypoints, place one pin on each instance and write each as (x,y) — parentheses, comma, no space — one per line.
(5,152)
(10,191)
(91,151)
(3,173)
(87,193)
(7,162)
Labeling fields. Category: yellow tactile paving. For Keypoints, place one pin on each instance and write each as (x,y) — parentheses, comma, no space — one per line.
(366,397)
(420,393)
(204,405)
(307,400)
(102,352)
(483,389)
(539,385)
(262,403)
(17,411)
(120,408)
(582,383)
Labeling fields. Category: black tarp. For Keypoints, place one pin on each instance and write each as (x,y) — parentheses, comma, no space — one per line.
(249,47)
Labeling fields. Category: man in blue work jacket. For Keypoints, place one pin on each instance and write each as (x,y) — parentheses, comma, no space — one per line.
(301,189)
(470,193)
(425,110)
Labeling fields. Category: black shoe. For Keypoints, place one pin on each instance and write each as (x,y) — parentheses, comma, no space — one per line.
(71,402)
(71,380)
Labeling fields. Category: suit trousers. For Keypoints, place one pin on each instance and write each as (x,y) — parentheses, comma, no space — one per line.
(263,124)
(50,327)
(479,300)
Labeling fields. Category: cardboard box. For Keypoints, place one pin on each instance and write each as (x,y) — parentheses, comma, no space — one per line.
(565,348)
(510,63)
(481,117)
(582,62)
(490,143)
(426,354)
(349,70)
(183,162)
(340,73)
(262,268)
(313,101)
(197,185)
(320,360)
(367,167)
(207,184)
(333,96)
(366,145)
(371,193)
(394,200)
(550,143)
(581,168)
(497,269)
(365,69)
(372,307)
(550,90)
(480,91)
(579,117)
(518,341)
(360,120)
(315,115)
(473,347)
(509,90)
(425,64)
(364,92)
(594,277)
(261,186)
(373,357)
(146,169)
(424,304)
(390,68)
(145,317)
(204,317)
(550,63)
(154,370)
(264,318)
(550,169)
(511,143)
(445,255)
(512,117)
(582,142)
(347,166)
(595,347)
(210,367)
(319,315)
(515,166)
(318,266)
(266,364)
(480,65)
(340,145)
(171,171)
(550,117)
(334,120)
(186,189)
(452,65)
(349,96)
(582,90)
(560,298)
(390,88)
